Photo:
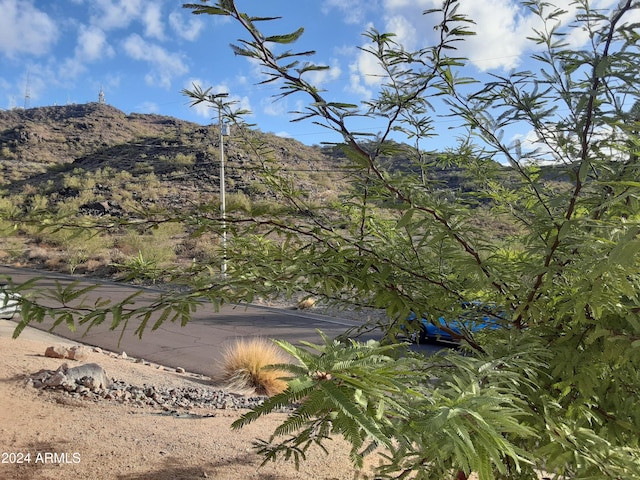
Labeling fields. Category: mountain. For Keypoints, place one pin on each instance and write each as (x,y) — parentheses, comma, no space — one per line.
(63,151)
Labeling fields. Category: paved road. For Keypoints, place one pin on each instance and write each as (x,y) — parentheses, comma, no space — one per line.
(198,346)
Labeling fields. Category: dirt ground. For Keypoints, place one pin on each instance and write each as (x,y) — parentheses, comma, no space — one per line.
(45,435)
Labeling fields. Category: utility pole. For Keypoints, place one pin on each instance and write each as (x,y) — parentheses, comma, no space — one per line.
(224,130)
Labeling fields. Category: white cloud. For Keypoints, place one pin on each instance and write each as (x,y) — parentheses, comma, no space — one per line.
(421,4)
(92,44)
(501,34)
(115,13)
(548,152)
(273,107)
(364,72)
(189,30)
(71,68)
(319,77)
(501,28)
(165,65)
(24,29)
(152,20)
(356,85)
(405,32)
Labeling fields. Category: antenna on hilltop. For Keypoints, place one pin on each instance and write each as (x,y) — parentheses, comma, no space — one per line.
(27,94)
(101,99)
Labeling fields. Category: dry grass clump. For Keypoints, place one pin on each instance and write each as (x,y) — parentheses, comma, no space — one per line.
(306,303)
(244,363)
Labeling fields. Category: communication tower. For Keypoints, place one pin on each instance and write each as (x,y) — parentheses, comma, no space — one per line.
(27,94)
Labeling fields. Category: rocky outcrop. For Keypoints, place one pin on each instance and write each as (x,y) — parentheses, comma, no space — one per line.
(91,376)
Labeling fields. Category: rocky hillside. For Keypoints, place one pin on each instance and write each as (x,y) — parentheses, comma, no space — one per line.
(63,151)
(94,159)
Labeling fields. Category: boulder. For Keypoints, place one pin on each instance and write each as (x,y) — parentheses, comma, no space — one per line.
(90,375)
(78,353)
(56,352)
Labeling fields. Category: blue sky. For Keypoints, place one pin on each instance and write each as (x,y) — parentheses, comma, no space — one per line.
(143,53)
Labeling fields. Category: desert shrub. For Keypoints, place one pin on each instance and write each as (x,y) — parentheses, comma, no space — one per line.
(184,160)
(140,268)
(78,179)
(36,203)
(11,247)
(245,366)
(168,231)
(152,247)
(256,188)
(202,248)
(238,201)
(147,255)
(7,153)
(76,247)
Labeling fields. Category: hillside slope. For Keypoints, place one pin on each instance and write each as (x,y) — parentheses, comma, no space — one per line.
(42,149)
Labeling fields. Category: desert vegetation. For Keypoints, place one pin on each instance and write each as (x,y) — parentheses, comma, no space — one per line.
(253,365)
(548,232)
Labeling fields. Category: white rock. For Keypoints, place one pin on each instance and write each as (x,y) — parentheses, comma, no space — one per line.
(78,353)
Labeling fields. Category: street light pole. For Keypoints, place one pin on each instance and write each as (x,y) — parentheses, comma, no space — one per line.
(223,208)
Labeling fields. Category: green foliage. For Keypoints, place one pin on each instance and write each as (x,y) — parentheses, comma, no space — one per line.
(343,388)
(376,398)
(140,268)
(557,389)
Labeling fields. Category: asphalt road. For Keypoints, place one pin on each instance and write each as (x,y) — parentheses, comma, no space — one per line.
(198,346)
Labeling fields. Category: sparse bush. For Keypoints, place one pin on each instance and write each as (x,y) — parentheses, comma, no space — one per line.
(256,188)
(7,153)
(202,248)
(184,160)
(245,366)
(238,202)
(306,303)
(140,268)
(136,245)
